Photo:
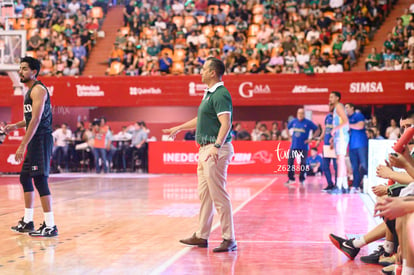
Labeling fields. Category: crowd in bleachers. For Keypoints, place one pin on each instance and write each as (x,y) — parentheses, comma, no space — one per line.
(60,34)
(256,36)
(397,52)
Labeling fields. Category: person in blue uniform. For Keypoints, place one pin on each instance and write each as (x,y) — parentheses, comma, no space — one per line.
(301,132)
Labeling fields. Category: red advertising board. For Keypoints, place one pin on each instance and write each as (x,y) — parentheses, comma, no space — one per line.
(266,157)
(395,87)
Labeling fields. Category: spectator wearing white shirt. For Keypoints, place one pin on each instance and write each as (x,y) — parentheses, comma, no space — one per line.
(73,7)
(336,3)
(393,131)
(290,59)
(61,137)
(349,47)
(335,67)
(411,8)
(264,33)
(177,7)
(303,57)
(313,35)
(192,39)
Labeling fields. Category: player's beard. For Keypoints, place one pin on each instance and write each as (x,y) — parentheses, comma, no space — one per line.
(24,80)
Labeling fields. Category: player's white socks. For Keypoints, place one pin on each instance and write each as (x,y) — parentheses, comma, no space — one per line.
(358,243)
(389,247)
(345,182)
(28,215)
(49,219)
(339,182)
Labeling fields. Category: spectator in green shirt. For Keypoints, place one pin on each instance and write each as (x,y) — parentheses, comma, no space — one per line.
(307,69)
(373,59)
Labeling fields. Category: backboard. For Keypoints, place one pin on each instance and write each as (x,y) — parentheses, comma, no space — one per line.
(12,48)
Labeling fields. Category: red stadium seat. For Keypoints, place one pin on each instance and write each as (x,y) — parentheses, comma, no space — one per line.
(253,30)
(71,22)
(177,68)
(231,29)
(166,50)
(258,19)
(178,20)
(28,13)
(32,24)
(44,32)
(251,62)
(116,68)
(201,19)
(179,55)
(124,30)
(31,53)
(252,41)
(215,8)
(225,8)
(258,9)
(220,30)
(208,31)
(96,12)
(189,21)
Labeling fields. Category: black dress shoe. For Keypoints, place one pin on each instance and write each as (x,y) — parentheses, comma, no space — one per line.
(226,246)
(194,240)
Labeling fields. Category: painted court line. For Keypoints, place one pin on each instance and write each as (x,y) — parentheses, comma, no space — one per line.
(288,242)
(185,250)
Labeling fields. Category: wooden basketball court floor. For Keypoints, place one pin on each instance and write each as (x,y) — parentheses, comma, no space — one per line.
(131,224)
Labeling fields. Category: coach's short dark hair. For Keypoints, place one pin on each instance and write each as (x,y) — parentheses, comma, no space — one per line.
(409,114)
(216,65)
(351,105)
(34,64)
(338,94)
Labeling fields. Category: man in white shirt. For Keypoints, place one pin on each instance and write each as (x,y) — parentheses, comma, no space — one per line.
(73,7)
(335,67)
(313,35)
(60,150)
(192,38)
(349,47)
(303,57)
(177,7)
(411,8)
(336,3)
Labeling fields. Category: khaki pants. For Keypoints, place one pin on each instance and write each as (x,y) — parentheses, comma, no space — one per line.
(212,180)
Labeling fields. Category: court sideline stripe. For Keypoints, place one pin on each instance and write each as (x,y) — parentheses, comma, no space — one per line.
(185,250)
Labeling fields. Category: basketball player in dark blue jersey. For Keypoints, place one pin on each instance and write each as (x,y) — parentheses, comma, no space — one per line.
(38,142)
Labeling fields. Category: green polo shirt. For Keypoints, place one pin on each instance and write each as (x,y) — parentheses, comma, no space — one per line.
(216,101)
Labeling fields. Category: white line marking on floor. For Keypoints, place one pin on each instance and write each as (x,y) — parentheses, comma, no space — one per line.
(185,250)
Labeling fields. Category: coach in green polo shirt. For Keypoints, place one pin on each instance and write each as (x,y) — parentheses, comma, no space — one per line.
(213,124)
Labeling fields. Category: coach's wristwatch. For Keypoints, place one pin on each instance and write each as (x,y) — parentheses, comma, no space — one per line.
(217,145)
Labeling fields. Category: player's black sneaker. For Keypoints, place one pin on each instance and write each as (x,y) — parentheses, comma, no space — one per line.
(345,246)
(328,188)
(23,227)
(374,257)
(45,231)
